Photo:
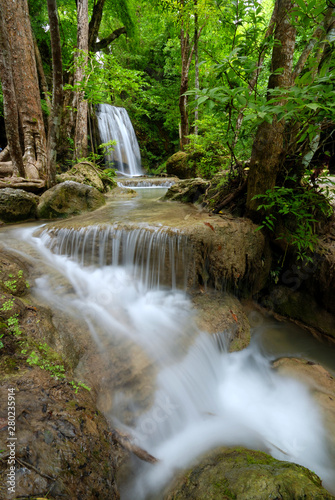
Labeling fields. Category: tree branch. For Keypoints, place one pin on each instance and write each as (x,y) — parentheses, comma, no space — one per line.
(316,37)
(109,39)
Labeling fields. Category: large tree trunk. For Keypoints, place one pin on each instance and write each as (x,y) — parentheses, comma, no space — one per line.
(268,147)
(27,94)
(57,91)
(80,140)
(10,105)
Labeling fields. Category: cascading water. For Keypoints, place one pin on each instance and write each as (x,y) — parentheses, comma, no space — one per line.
(114,123)
(130,284)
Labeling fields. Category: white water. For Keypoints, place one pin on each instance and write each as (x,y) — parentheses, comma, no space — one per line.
(204,397)
(114,123)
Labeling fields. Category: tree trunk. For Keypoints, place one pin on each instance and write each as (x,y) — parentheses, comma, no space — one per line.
(10,105)
(27,93)
(184,123)
(95,23)
(268,147)
(57,91)
(80,139)
(196,67)
(41,74)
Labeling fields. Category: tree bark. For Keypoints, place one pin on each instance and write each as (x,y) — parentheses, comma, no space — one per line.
(11,114)
(109,39)
(95,23)
(268,147)
(41,74)
(16,17)
(196,66)
(57,91)
(80,139)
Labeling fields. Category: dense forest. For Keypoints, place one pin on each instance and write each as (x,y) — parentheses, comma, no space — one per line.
(244,86)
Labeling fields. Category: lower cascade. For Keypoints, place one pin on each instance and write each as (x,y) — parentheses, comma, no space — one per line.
(129,285)
(114,124)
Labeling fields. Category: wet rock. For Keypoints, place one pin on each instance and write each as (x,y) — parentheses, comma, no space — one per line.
(321,384)
(84,173)
(244,474)
(13,275)
(178,165)
(229,254)
(17,205)
(69,198)
(301,306)
(63,446)
(223,314)
(187,191)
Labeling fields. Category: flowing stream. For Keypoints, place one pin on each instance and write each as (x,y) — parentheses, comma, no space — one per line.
(130,286)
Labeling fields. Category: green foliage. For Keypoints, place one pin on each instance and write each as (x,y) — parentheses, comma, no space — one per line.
(208,149)
(298,210)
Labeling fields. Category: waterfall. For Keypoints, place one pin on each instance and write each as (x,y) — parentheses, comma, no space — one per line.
(202,396)
(152,255)
(114,123)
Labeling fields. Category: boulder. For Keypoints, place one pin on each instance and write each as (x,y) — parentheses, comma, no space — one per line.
(178,165)
(84,173)
(69,198)
(187,191)
(219,313)
(63,447)
(321,384)
(244,474)
(17,205)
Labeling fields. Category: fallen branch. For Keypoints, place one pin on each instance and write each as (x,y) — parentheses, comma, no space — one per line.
(31,467)
(125,441)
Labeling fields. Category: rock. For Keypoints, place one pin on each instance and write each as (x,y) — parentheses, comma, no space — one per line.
(187,191)
(13,275)
(63,448)
(321,383)
(69,198)
(222,313)
(17,205)
(84,173)
(178,165)
(299,305)
(244,474)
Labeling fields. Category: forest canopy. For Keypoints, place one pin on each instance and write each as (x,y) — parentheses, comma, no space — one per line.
(245,85)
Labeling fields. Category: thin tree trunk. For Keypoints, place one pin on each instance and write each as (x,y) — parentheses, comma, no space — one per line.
(80,140)
(10,105)
(57,91)
(95,23)
(184,123)
(196,67)
(268,146)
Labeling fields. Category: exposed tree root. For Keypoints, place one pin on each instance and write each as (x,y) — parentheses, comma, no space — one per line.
(31,185)
(232,196)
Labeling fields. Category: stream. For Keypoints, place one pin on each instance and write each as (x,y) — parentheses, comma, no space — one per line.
(187,394)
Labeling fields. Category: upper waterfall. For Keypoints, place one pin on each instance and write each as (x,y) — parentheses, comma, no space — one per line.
(114,123)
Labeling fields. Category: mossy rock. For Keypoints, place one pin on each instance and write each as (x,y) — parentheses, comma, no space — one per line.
(241,474)
(187,191)
(84,173)
(17,205)
(178,165)
(69,198)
